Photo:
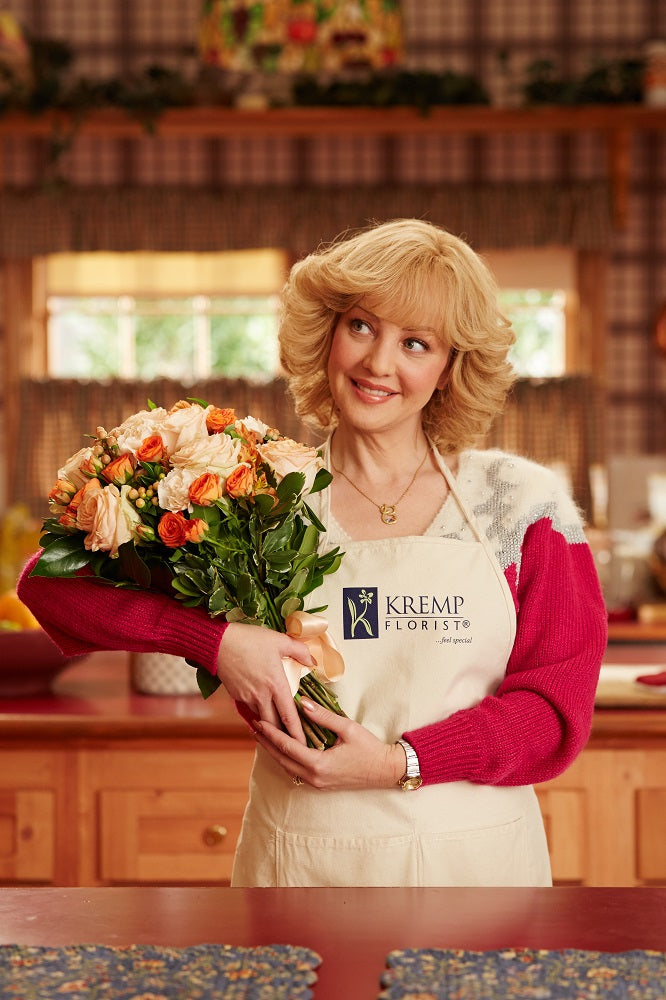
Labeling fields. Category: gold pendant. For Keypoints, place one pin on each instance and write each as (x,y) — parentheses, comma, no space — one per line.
(388,513)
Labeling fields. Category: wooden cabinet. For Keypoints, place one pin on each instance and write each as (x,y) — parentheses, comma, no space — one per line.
(606,818)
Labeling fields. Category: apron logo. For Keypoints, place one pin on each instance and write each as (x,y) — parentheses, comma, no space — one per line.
(359,612)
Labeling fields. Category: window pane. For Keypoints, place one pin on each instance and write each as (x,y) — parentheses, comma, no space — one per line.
(244,337)
(164,342)
(83,338)
(538,318)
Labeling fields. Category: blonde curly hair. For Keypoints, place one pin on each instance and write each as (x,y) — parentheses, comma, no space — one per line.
(415,274)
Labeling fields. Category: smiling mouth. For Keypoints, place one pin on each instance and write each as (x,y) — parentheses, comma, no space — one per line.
(373,391)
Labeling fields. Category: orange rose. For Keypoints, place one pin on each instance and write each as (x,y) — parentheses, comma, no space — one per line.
(151,449)
(62,492)
(240,482)
(196,529)
(206,489)
(119,471)
(217,419)
(172,529)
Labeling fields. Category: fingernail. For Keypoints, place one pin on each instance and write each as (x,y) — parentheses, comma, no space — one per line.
(306,703)
(256,726)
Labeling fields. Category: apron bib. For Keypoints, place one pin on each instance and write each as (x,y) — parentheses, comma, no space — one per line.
(425,626)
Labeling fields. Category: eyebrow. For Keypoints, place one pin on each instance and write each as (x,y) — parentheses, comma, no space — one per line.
(406,329)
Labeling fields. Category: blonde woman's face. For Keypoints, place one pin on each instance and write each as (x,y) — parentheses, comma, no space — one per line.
(383,374)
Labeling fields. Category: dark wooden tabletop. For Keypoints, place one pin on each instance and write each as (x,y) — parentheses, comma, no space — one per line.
(353,930)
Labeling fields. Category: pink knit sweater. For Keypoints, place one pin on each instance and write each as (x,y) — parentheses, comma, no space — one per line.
(529,730)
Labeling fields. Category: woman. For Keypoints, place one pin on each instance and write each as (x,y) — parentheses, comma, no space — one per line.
(467,607)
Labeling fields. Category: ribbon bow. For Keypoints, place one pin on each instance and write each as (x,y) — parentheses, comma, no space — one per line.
(313,631)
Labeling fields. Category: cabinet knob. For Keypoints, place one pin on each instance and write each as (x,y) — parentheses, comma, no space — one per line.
(214,835)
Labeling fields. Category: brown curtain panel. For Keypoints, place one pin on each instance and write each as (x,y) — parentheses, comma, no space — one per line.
(558,420)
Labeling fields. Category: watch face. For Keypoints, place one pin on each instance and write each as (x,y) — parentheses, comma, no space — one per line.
(410,784)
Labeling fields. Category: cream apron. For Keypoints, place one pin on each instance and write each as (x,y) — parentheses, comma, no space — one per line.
(425,626)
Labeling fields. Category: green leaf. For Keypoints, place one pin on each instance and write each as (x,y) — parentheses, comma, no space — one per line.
(264,503)
(321,480)
(291,486)
(133,565)
(62,557)
(208,684)
(315,520)
(309,541)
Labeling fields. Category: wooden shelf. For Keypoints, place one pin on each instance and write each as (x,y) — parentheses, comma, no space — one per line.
(309,122)
(617,123)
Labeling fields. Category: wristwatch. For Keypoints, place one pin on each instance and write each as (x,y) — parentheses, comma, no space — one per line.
(411,779)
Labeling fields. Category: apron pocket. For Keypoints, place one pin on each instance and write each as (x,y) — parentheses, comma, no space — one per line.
(492,856)
(303,860)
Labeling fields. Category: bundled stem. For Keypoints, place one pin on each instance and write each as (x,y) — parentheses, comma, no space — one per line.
(318,737)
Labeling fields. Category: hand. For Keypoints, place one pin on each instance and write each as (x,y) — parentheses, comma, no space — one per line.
(249,664)
(357,760)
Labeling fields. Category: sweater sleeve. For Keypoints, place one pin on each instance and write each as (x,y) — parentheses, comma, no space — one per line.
(539,718)
(82,615)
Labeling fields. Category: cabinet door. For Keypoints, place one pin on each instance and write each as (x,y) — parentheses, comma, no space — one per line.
(27,835)
(167,835)
(564,816)
(168,816)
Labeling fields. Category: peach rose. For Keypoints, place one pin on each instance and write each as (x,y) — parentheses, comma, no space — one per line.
(218,419)
(206,489)
(120,470)
(84,504)
(287,456)
(241,481)
(196,530)
(172,529)
(92,466)
(151,449)
(114,522)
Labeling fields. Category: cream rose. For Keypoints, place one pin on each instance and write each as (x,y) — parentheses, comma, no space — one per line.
(183,426)
(133,431)
(72,468)
(217,453)
(289,456)
(252,424)
(114,520)
(173,491)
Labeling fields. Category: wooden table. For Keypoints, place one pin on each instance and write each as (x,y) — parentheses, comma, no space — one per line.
(352,930)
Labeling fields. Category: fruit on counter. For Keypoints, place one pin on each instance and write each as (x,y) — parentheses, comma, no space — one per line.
(14,614)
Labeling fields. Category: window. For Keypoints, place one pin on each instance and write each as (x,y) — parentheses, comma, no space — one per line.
(149,315)
(537,292)
(191,316)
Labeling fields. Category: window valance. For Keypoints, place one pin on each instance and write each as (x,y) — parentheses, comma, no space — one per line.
(502,215)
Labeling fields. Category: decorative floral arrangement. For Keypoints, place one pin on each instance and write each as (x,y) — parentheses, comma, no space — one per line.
(209,508)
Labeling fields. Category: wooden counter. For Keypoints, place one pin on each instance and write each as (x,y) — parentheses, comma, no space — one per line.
(352,930)
(103,786)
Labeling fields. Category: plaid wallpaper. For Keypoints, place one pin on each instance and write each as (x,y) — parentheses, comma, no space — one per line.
(494,39)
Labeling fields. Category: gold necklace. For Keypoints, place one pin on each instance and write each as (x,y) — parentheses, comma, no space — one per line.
(387,511)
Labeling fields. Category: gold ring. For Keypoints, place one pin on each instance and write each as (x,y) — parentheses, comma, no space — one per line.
(297,780)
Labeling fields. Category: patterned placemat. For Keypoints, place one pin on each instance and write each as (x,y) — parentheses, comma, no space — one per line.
(524,974)
(139,972)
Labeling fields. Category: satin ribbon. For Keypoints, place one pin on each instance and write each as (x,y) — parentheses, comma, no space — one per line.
(313,631)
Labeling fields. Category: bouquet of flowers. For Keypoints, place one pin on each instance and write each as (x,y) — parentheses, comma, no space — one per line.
(210,508)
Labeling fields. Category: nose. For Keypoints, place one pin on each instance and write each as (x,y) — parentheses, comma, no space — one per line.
(380,357)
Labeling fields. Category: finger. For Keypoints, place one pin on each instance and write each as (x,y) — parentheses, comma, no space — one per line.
(330,720)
